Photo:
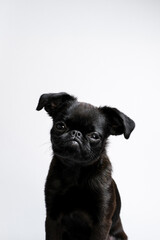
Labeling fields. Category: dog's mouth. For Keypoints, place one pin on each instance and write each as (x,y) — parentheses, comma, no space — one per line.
(74,142)
(74,153)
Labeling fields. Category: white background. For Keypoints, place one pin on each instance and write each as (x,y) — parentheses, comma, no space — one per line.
(103,52)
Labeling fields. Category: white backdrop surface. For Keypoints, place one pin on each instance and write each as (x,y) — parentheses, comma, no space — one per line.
(105,53)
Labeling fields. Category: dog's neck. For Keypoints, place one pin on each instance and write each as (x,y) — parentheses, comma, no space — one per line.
(77,174)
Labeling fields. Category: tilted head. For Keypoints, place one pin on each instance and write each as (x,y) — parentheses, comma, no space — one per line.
(80,130)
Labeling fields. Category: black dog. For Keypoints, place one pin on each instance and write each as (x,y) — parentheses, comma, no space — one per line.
(82,199)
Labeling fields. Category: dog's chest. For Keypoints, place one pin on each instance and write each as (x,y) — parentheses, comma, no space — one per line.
(80,198)
(67,199)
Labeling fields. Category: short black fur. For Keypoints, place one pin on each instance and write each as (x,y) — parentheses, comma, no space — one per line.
(82,199)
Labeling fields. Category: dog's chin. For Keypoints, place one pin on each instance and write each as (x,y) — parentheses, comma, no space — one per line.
(71,153)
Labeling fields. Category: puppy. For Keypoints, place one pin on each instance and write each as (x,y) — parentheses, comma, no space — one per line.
(82,199)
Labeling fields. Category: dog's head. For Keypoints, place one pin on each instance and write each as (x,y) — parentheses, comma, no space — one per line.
(80,130)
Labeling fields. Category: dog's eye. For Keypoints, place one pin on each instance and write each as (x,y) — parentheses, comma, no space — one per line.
(60,126)
(94,136)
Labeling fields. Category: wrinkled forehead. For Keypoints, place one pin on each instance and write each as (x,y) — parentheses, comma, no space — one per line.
(84,115)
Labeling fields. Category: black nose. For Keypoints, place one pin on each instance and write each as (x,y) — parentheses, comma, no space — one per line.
(75,133)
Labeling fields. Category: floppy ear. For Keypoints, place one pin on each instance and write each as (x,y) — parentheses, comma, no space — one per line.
(118,123)
(53,101)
